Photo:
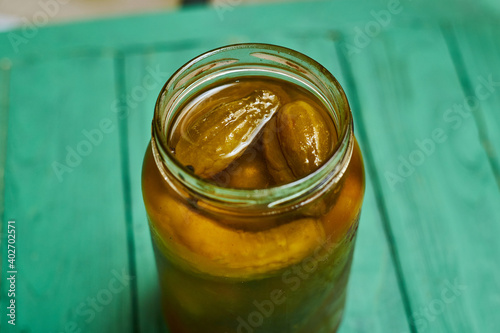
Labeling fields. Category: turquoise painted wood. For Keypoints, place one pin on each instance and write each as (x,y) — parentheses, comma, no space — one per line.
(475,58)
(426,257)
(435,180)
(71,238)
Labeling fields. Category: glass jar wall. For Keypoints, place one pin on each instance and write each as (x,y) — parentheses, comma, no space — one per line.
(246,249)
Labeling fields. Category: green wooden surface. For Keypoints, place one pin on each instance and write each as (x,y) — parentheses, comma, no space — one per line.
(476,60)
(433,229)
(71,239)
(443,215)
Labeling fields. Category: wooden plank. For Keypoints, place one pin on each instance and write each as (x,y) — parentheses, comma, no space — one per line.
(374,302)
(442,209)
(194,25)
(475,52)
(70,225)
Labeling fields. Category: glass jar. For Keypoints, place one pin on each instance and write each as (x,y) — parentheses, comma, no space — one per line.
(252,260)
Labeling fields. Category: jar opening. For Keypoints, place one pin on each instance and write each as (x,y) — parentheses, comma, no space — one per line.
(246,60)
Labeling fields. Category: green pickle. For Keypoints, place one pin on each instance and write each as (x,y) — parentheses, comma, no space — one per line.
(252,271)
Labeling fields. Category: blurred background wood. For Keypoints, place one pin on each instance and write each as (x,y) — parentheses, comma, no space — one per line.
(14,13)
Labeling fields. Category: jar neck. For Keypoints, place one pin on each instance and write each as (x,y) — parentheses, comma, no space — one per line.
(251,60)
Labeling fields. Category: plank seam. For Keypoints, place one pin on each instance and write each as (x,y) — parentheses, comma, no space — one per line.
(372,173)
(127,198)
(467,87)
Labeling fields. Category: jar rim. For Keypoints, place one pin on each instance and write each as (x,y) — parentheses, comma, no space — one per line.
(285,196)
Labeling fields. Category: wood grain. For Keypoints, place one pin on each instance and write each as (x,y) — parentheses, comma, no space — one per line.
(198,24)
(71,244)
(475,53)
(442,214)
